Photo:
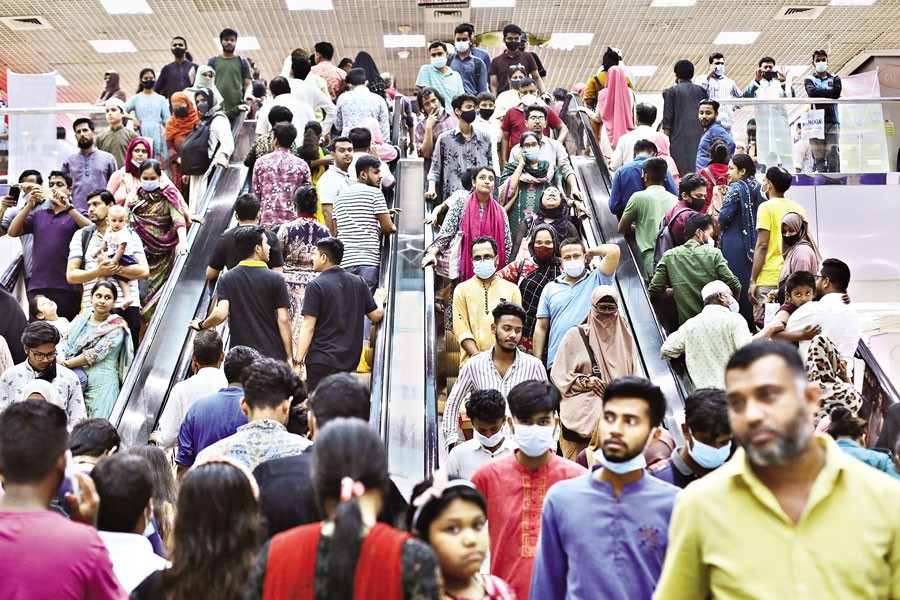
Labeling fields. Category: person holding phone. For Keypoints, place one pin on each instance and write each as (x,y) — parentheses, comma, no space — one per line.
(10,207)
(774,146)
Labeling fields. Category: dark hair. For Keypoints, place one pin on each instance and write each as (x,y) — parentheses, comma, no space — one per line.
(461,99)
(506,308)
(144,71)
(799,279)
(610,59)
(114,289)
(33,436)
(105,195)
(744,161)
(645,112)
(472,174)
(437,44)
(845,423)
(207,347)
(332,248)
(268,382)
(435,506)
(39,333)
(638,387)
(237,360)
(484,239)
(82,121)
(656,169)
(346,448)
(487,405)
(517,69)
(819,53)
(65,177)
(719,153)
(325,49)
(280,114)
(535,108)
(684,69)
(364,163)
(465,28)
(300,66)
(218,531)
(246,207)
(305,199)
(341,395)
(572,241)
(526,81)
(227,32)
(125,487)
(246,239)
(765,59)
(33,308)
(486,97)
(344,62)
(343,139)
(837,272)
(529,134)
(754,351)
(642,146)
(709,102)
(360,137)
(314,126)
(151,163)
(531,397)
(36,174)
(426,92)
(560,93)
(355,77)
(706,411)
(93,437)
(178,37)
(165,490)
(284,134)
(279,85)
(714,55)
(511,29)
(690,182)
(779,178)
(696,222)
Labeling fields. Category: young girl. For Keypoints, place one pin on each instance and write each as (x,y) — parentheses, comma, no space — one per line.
(451,516)
(42,308)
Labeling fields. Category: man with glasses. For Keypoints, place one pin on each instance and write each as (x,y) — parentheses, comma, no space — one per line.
(718,86)
(550,150)
(39,340)
(515,121)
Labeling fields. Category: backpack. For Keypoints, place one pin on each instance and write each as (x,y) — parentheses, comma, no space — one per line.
(664,239)
(86,234)
(195,155)
(479,64)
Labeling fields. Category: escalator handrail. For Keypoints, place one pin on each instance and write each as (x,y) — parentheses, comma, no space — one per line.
(431,434)
(10,276)
(140,356)
(865,354)
(398,126)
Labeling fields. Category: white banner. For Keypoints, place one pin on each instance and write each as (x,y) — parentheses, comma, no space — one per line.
(863,141)
(32,138)
(814,124)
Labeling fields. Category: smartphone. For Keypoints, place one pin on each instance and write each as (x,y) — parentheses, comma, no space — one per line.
(770,75)
(70,477)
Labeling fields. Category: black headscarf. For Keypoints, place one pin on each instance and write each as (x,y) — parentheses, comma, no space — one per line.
(561,225)
(532,285)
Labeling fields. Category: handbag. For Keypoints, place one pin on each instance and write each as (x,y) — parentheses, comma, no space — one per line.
(448,260)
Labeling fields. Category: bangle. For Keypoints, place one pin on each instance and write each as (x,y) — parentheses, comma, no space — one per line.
(296,362)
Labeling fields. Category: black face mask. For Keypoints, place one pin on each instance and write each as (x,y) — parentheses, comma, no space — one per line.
(181,112)
(791,240)
(486,113)
(202,107)
(468,115)
(49,374)
(513,45)
(148,85)
(178,52)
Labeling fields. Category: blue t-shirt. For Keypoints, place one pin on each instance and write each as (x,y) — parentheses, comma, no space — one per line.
(207,421)
(567,305)
(448,85)
(627,180)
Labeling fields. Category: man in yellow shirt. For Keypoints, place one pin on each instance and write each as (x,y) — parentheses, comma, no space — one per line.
(790,515)
(767,258)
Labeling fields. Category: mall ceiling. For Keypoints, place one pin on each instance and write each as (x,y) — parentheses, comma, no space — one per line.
(651,37)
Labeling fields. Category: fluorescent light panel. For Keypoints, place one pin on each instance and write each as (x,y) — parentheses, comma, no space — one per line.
(736,37)
(244,42)
(492,3)
(641,70)
(126,7)
(568,41)
(672,3)
(112,46)
(404,41)
(851,3)
(310,5)
(61,81)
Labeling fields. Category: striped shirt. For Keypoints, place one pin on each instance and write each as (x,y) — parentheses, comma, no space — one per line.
(356,211)
(479,373)
(88,262)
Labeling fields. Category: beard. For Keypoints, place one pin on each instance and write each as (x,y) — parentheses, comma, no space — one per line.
(786,447)
(85,144)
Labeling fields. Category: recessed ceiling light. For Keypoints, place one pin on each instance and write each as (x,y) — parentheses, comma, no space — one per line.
(851,2)
(404,41)
(126,7)
(61,81)
(492,3)
(736,37)
(641,70)
(244,42)
(310,5)
(403,54)
(671,3)
(113,46)
(568,41)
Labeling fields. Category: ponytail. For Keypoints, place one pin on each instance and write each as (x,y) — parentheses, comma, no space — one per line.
(346,545)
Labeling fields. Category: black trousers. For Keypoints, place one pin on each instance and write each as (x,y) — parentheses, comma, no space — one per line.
(317,372)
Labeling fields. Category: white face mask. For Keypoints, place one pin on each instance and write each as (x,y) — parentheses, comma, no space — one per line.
(484,269)
(708,457)
(461,46)
(821,66)
(529,100)
(733,305)
(636,463)
(489,442)
(573,268)
(534,440)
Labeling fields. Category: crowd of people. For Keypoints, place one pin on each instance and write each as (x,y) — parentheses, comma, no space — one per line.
(280,486)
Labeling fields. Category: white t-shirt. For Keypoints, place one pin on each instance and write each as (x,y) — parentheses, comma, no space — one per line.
(839,323)
(464,459)
(302,111)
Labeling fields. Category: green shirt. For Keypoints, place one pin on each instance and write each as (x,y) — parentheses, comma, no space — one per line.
(230,76)
(686,269)
(646,209)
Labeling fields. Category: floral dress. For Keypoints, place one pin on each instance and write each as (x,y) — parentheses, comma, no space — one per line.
(298,240)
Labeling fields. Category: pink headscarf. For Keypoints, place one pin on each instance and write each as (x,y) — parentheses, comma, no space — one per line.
(662,150)
(474,225)
(385,152)
(614,105)
(579,88)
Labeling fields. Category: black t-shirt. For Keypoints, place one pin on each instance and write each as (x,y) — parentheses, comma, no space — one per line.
(338,300)
(12,324)
(255,294)
(288,496)
(225,254)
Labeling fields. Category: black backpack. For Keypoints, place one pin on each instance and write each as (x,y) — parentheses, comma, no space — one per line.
(195,155)
(664,239)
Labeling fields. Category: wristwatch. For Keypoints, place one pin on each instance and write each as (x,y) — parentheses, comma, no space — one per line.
(296,362)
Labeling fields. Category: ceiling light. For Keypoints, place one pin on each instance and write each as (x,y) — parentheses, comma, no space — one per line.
(244,42)
(492,3)
(671,3)
(851,3)
(641,70)
(404,41)
(126,7)
(310,5)
(113,46)
(403,54)
(568,41)
(61,81)
(736,37)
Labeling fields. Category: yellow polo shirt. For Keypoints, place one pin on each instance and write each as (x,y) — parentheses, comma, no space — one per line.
(769,216)
(729,538)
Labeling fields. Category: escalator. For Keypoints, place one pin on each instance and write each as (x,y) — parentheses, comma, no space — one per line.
(164,355)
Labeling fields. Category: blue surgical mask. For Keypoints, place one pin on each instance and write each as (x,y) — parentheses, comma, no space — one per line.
(733,305)
(150,186)
(821,66)
(534,440)
(720,70)
(532,153)
(484,269)
(439,63)
(635,463)
(489,442)
(708,457)
(462,46)
(573,268)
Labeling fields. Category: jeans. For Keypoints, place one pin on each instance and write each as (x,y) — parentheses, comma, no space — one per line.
(368,274)
(826,153)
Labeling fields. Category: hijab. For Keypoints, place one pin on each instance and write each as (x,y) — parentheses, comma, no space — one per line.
(614,105)
(609,337)
(561,225)
(800,225)
(475,225)
(205,79)
(44,388)
(365,62)
(214,106)
(112,89)
(130,167)
(179,127)
(534,283)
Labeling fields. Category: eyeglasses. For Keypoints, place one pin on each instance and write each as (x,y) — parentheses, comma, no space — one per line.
(43,356)
(607,309)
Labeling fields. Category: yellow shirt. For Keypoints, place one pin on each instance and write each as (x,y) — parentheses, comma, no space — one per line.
(730,539)
(768,217)
(472,306)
